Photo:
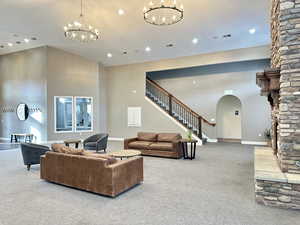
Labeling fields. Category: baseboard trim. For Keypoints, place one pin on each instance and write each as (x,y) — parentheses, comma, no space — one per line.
(254,143)
(212,140)
(115,139)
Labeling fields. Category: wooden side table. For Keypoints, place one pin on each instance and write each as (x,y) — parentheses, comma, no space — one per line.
(75,141)
(184,145)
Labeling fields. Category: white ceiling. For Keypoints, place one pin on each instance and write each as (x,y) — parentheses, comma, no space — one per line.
(203,19)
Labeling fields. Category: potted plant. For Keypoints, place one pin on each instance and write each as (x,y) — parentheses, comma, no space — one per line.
(268,137)
(189,134)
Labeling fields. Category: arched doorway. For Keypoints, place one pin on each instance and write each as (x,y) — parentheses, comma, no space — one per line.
(229,119)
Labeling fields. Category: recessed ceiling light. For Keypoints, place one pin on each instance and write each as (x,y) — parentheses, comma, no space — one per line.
(109,55)
(26,40)
(252,31)
(147,49)
(10,44)
(195,40)
(121,12)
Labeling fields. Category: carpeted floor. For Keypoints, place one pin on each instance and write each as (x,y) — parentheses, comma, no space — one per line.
(216,188)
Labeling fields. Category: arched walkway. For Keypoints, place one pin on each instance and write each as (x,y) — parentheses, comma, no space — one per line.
(229,119)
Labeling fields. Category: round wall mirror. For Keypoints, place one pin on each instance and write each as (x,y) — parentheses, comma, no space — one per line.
(22,111)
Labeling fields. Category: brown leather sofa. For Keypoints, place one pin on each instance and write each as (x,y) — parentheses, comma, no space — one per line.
(95,174)
(156,144)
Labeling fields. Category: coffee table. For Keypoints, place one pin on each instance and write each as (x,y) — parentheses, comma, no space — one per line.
(125,153)
(73,141)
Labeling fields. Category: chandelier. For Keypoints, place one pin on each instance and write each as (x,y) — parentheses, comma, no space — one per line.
(81,31)
(163,13)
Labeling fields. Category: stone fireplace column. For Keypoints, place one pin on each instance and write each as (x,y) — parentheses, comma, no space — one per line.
(286,56)
(275,187)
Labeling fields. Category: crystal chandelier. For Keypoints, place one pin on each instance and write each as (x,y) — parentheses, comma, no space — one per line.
(81,31)
(165,12)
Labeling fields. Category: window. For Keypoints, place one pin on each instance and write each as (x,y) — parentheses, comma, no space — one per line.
(73,114)
(84,113)
(63,109)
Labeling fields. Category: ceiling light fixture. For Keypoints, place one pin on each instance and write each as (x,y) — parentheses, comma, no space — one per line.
(10,44)
(121,12)
(163,13)
(195,41)
(80,31)
(252,31)
(109,55)
(147,49)
(26,40)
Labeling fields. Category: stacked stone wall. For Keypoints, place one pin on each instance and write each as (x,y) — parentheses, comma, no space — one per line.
(286,55)
(275,34)
(278,194)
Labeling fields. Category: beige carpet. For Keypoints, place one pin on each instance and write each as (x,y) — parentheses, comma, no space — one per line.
(216,188)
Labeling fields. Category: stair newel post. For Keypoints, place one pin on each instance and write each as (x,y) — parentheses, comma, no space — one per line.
(200,127)
(170,104)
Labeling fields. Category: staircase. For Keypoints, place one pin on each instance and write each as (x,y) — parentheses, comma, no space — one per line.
(175,108)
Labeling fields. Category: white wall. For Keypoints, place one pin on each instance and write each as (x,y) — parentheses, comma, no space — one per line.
(23,79)
(71,75)
(122,81)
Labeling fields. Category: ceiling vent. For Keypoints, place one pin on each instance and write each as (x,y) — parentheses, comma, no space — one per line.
(169,45)
(226,36)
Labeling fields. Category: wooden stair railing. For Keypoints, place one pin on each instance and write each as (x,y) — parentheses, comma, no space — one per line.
(176,108)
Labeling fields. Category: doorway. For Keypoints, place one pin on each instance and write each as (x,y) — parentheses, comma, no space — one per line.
(229,119)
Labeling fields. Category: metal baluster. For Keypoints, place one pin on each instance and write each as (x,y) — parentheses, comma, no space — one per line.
(200,127)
